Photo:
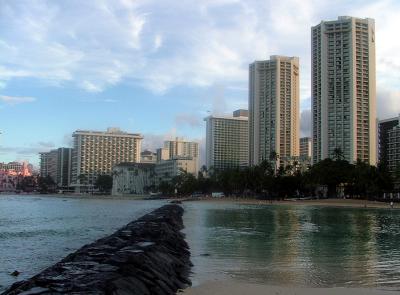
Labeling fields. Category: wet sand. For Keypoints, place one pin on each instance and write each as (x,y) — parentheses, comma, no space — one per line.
(236,288)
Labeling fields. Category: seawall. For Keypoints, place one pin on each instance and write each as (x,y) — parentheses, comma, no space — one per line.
(147,256)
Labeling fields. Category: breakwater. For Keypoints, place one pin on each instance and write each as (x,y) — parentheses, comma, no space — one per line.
(147,256)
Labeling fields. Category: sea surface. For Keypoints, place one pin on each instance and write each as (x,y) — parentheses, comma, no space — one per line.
(309,246)
(276,245)
(38,231)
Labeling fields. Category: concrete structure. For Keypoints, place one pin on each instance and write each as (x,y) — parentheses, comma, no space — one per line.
(384,126)
(57,164)
(343,89)
(162,154)
(305,147)
(133,178)
(48,164)
(227,141)
(96,153)
(148,157)
(393,149)
(168,169)
(274,98)
(179,148)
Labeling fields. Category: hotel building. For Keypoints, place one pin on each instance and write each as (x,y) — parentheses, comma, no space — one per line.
(343,89)
(95,153)
(274,99)
(227,141)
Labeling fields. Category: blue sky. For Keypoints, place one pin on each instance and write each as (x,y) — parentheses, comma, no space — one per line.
(157,67)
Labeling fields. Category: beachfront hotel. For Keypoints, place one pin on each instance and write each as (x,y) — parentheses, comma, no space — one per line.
(343,89)
(227,141)
(96,152)
(274,98)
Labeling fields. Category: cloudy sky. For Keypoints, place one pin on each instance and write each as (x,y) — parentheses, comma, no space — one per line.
(157,67)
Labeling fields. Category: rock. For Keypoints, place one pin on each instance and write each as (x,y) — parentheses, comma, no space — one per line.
(147,256)
(15,273)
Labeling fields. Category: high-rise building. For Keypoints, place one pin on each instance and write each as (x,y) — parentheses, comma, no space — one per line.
(162,154)
(274,98)
(343,89)
(182,148)
(179,148)
(305,147)
(57,164)
(48,164)
(393,149)
(148,157)
(384,126)
(95,153)
(227,141)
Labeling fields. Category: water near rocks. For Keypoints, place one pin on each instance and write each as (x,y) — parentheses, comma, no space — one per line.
(37,231)
(276,245)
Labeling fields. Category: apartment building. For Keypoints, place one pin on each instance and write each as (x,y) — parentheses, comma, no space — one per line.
(227,141)
(274,99)
(343,89)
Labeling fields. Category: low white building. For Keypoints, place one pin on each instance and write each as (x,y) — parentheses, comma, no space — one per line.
(133,178)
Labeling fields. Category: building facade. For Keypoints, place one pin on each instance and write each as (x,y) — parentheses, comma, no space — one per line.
(148,157)
(343,89)
(305,147)
(384,126)
(227,141)
(274,99)
(393,149)
(133,178)
(168,169)
(48,164)
(95,153)
(57,164)
(179,148)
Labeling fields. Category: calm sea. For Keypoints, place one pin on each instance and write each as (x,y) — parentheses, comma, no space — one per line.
(295,245)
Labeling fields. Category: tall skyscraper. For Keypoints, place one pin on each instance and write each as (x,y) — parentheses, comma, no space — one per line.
(227,141)
(274,98)
(343,89)
(96,153)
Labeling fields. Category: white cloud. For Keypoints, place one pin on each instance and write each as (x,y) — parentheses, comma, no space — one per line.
(13,100)
(164,44)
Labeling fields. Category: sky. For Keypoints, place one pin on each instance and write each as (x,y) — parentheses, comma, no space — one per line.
(158,67)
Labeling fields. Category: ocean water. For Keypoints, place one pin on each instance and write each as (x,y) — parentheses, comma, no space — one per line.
(277,245)
(295,245)
(37,231)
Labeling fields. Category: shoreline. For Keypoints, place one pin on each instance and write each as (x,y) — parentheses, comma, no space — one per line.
(346,203)
(230,287)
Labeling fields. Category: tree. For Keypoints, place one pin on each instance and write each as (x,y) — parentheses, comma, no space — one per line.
(104,183)
(46,184)
(337,154)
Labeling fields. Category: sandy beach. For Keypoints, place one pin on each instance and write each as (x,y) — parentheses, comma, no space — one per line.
(236,288)
(352,203)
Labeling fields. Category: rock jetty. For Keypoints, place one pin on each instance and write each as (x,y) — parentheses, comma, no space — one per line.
(147,256)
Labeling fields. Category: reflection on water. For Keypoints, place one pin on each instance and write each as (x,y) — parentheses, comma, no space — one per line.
(36,232)
(297,245)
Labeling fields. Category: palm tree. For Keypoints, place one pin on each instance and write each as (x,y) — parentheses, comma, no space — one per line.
(337,154)
(274,157)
